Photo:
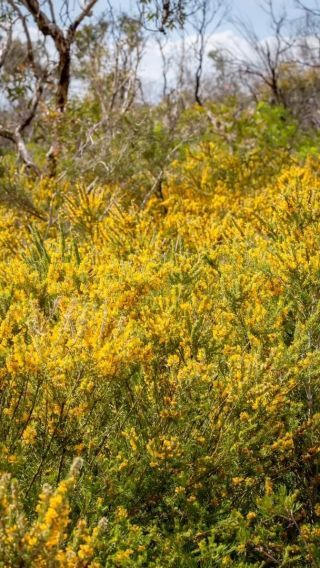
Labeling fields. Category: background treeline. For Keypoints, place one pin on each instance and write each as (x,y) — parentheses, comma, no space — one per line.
(73,97)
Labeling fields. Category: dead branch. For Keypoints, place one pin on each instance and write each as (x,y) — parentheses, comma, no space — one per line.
(62,40)
(6,48)
(15,134)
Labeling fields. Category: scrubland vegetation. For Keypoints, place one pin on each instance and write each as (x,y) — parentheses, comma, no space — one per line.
(160,332)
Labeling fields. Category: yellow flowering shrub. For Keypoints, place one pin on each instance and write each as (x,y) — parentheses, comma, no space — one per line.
(174,348)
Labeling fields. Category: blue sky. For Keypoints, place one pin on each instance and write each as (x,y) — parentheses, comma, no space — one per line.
(249,10)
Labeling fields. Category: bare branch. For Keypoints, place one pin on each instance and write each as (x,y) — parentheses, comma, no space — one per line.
(5,133)
(15,135)
(62,41)
(52,12)
(85,12)
(23,21)
(24,153)
(209,12)
(47,27)
(33,107)
(268,56)
(311,11)
(6,48)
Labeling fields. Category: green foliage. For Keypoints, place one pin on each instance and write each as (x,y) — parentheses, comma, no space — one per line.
(169,341)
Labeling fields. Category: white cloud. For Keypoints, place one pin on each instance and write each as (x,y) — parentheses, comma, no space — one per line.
(176,49)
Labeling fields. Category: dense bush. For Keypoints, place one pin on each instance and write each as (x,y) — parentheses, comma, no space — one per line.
(160,358)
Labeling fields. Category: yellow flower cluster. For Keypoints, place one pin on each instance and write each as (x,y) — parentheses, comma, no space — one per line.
(174,347)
